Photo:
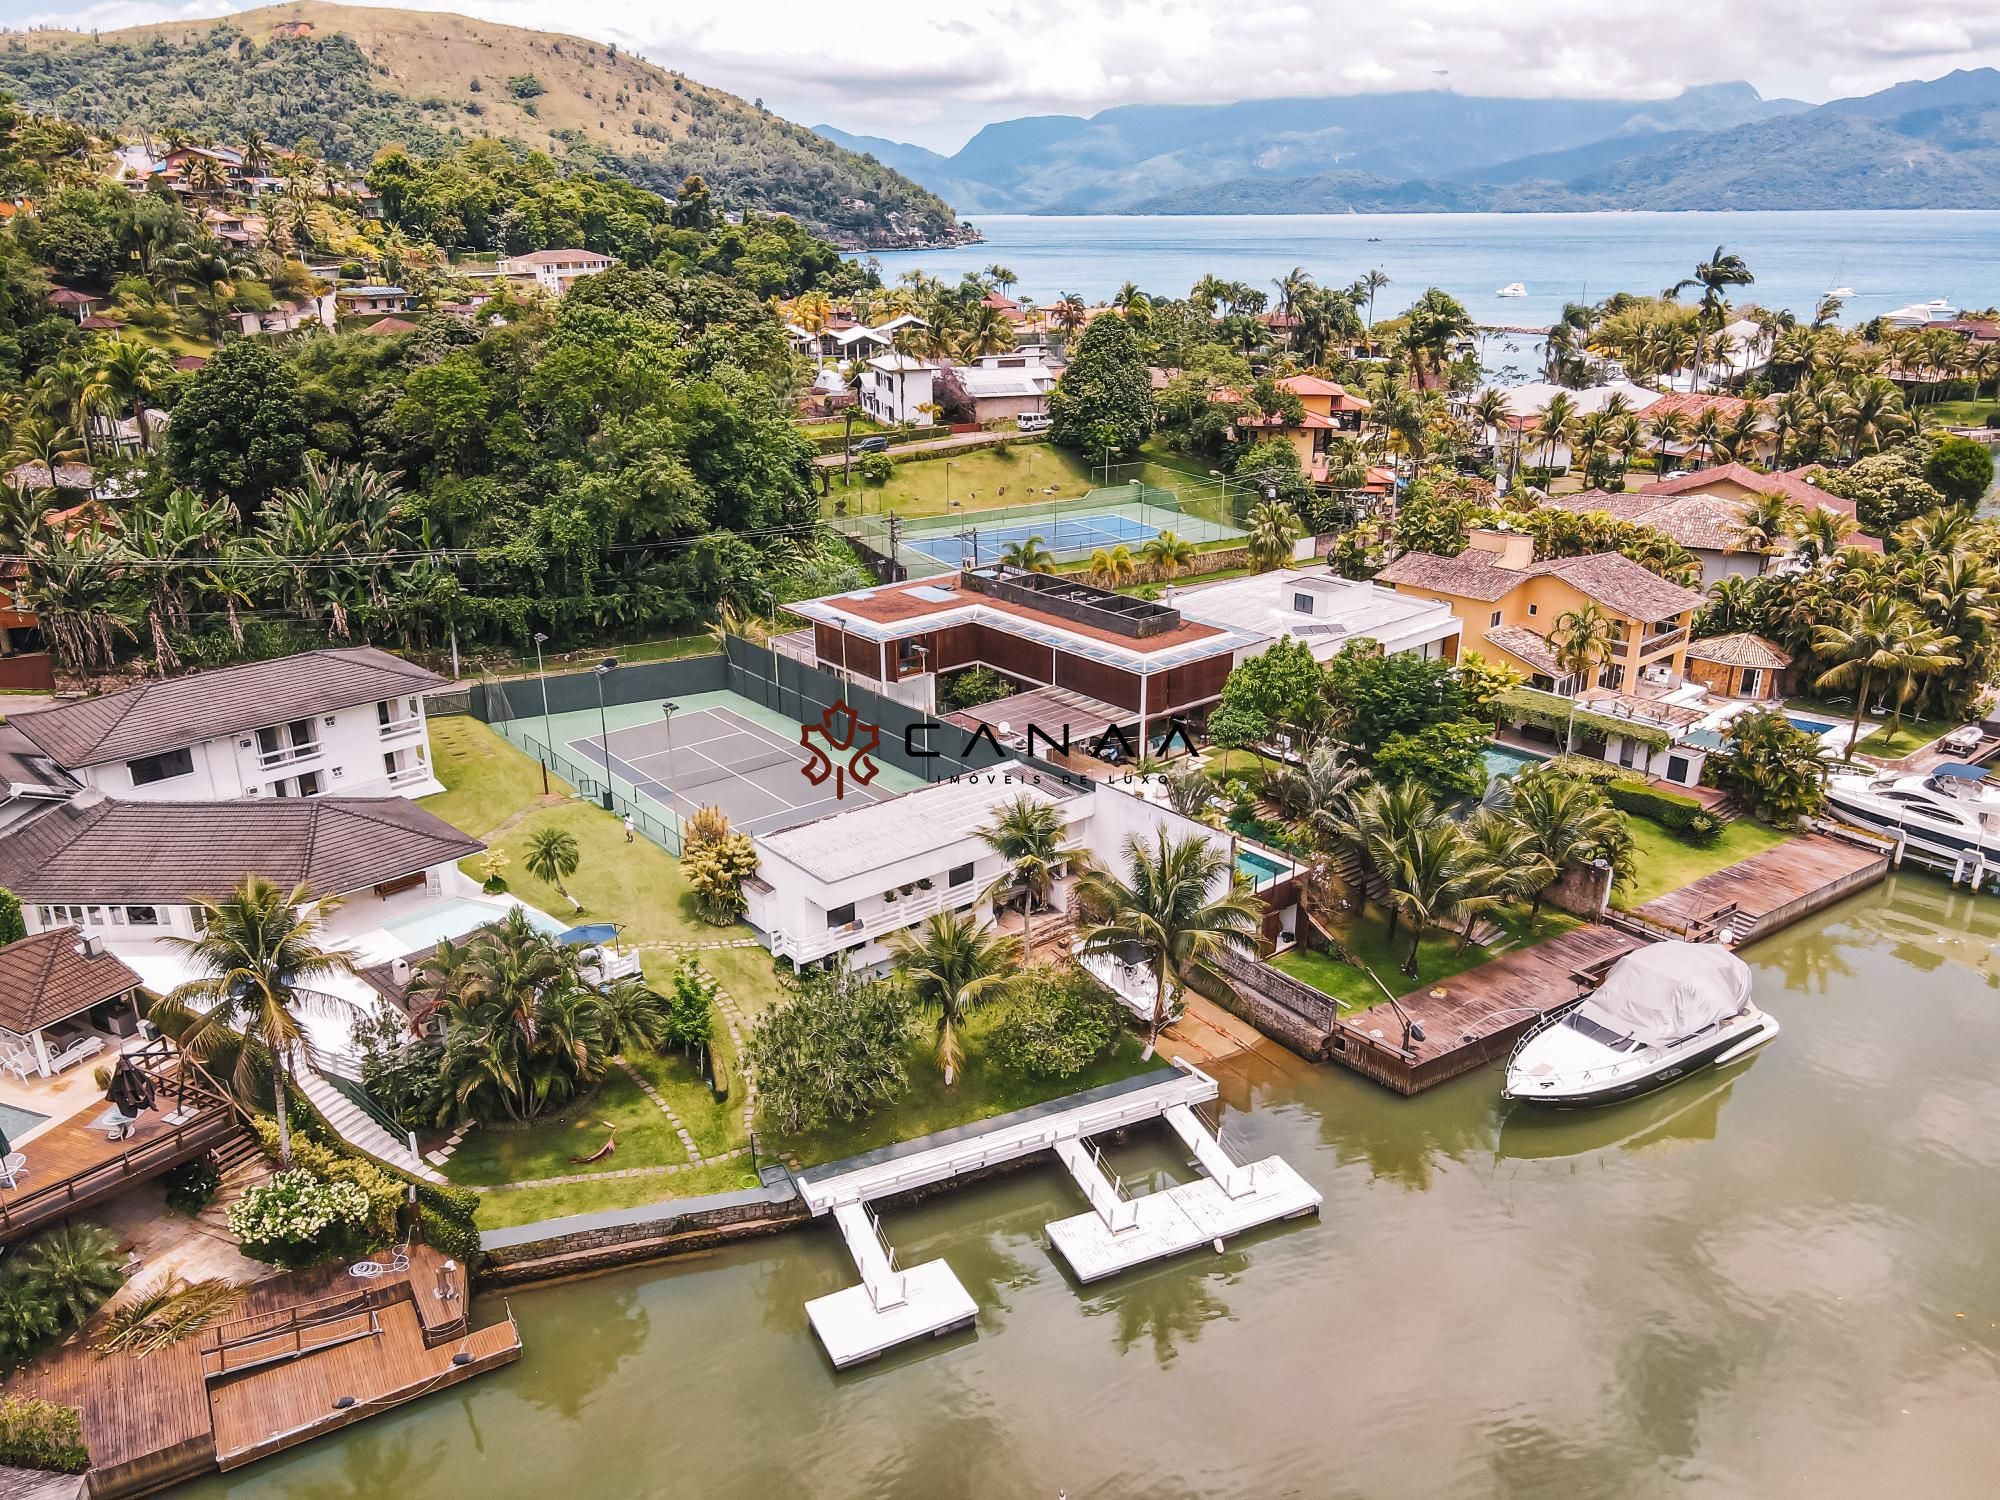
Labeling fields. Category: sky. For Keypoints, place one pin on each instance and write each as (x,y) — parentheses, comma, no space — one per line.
(920,71)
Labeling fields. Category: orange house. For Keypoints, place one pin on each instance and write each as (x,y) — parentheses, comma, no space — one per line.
(1508,605)
(1331,412)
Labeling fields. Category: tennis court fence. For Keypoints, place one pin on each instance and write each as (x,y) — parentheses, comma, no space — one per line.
(1128,515)
(659,824)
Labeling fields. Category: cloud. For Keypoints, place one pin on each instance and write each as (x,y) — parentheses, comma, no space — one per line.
(903,70)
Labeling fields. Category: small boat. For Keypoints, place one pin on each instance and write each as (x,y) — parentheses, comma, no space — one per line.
(1841,291)
(1951,809)
(1663,1012)
(1512,289)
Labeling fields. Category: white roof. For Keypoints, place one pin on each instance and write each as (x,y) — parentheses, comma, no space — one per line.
(887,833)
(859,332)
(901,320)
(892,363)
(1528,400)
(979,380)
(1343,610)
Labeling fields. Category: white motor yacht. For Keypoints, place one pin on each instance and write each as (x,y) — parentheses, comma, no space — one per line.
(1512,289)
(1951,809)
(1663,1012)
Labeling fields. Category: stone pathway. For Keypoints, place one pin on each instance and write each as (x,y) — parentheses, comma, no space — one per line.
(659,1100)
(684,945)
(442,1155)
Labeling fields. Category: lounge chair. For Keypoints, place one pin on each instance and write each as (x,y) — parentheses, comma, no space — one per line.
(13,1168)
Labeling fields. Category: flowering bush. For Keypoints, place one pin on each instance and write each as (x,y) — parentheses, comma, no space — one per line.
(297,1219)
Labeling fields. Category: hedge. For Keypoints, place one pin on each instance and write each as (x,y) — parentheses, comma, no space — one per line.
(1673,811)
(1525,705)
(37,1434)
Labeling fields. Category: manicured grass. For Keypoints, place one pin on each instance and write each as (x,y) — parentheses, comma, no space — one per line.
(486,779)
(748,974)
(667,648)
(1958,413)
(1666,863)
(497,1154)
(504,1207)
(716,1124)
(1913,735)
(983,1090)
(1029,473)
(1438,955)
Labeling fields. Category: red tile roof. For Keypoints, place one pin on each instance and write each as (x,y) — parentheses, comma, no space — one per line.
(1796,485)
(1692,404)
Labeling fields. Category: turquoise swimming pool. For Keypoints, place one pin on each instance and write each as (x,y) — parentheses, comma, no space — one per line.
(1505,760)
(453,917)
(1260,870)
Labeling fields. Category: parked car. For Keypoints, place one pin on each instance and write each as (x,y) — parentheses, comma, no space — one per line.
(1034,422)
(874,444)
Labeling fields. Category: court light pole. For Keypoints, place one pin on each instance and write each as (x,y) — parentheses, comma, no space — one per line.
(548,739)
(668,709)
(600,672)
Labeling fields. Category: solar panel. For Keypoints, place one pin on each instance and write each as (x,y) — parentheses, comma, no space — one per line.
(934,594)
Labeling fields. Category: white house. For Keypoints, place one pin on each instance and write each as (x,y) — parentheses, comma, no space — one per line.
(896,388)
(1525,403)
(365,301)
(1013,384)
(347,722)
(1325,611)
(555,270)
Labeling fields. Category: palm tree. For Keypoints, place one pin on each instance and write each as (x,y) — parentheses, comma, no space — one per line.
(1273,527)
(1167,908)
(1168,553)
(1132,302)
(1029,555)
(178,529)
(1070,313)
(1489,413)
(260,956)
(37,440)
(553,857)
(1583,641)
(1768,521)
(1030,835)
(1553,424)
(952,965)
(1430,878)
(1821,533)
(132,375)
(1316,792)
(80,591)
(1506,864)
(1719,271)
(1372,282)
(1868,413)
(75,1267)
(1882,637)
(1379,821)
(1567,820)
(1668,428)
(1705,433)
(1113,567)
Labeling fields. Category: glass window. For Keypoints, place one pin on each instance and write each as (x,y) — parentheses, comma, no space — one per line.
(309,784)
(1677,769)
(148,769)
(840,916)
(1302,603)
(1534,609)
(143,916)
(48,917)
(1496,618)
(960,875)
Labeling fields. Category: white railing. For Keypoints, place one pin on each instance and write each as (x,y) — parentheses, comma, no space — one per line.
(903,912)
(288,754)
(409,774)
(396,728)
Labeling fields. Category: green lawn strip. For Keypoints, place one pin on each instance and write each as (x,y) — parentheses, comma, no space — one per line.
(486,780)
(500,1154)
(1665,862)
(1438,955)
(983,1090)
(1913,735)
(748,974)
(1959,413)
(715,1124)
(1026,471)
(504,1207)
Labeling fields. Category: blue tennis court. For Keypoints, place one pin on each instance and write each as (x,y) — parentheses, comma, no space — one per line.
(1073,534)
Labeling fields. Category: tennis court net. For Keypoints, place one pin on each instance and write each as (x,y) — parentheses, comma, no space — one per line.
(737,766)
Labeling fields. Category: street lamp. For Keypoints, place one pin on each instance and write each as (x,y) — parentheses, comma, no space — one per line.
(947,484)
(600,672)
(548,739)
(668,709)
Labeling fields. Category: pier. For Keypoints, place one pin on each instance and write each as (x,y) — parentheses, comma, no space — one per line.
(893,1305)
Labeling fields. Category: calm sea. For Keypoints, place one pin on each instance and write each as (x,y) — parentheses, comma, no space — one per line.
(1889,259)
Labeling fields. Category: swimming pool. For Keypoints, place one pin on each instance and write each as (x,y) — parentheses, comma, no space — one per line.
(453,918)
(1505,760)
(16,1122)
(1259,869)
(1811,725)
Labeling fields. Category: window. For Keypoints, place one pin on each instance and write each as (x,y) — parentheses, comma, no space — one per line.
(840,916)
(1534,609)
(1302,603)
(143,916)
(960,875)
(1677,769)
(165,766)
(1496,618)
(309,784)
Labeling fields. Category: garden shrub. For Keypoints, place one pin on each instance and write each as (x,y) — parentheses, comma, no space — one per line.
(297,1219)
(1674,811)
(383,1191)
(1059,1022)
(37,1434)
(192,1186)
(835,1051)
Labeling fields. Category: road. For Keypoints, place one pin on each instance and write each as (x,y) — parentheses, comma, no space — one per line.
(929,446)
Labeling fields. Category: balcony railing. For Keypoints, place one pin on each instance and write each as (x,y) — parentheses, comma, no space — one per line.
(286,755)
(1664,639)
(898,914)
(408,775)
(397,728)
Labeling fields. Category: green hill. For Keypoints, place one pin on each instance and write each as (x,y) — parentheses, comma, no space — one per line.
(351,79)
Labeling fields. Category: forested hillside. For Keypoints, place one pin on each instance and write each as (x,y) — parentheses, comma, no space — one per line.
(347,81)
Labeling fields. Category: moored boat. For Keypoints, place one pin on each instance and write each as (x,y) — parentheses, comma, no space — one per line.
(1512,289)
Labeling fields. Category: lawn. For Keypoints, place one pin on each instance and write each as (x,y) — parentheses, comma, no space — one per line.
(490,1155)
(1022,474)
(504,1207)
(1911,736)
(983,1090)
(1958,413)
(1438,955)
(1666,863)
(748,974)
(666,648)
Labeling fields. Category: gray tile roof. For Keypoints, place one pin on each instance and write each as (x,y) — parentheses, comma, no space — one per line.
(176,853)
(1612,579)
(180,711)
(45,979)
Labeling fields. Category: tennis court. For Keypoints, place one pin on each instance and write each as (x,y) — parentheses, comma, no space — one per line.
(1059,535)
(716,755)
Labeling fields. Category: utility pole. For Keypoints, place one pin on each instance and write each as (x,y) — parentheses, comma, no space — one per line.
(847,454)
(895,546)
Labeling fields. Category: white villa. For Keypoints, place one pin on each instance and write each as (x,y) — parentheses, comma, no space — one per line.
(1325,611)
(897,388)
(344,721)
(554,271)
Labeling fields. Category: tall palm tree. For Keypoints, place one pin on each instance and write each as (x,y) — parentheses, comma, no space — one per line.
(1029,555)
(1880,639)
(1553,424)
(1868,414)
(952,965)
(38,440)
(553,857)
(260,959)
(1372,282)
(1506,866)
(1272,528)
(1169,910)
(1379,822)
(1069,312)
(132,375)
(1430,878)
(1668,428)
(1033,838)
(1720,271)
(1706,433)
(1583,641)
(1489,414)
(1168,553)
(1567,820)
(161,537)
(1768,521)
(1821,532)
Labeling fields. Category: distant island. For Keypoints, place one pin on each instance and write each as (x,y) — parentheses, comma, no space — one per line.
(1923,145)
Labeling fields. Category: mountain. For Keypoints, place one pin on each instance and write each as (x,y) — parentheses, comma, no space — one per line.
(350,79)
(1916,145)
(1136,154)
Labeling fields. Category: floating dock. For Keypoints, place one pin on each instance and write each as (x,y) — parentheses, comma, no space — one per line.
(892,1305)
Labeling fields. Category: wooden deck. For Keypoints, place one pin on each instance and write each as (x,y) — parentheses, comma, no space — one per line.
(234,1394)
(1769,890)
(1473,1017)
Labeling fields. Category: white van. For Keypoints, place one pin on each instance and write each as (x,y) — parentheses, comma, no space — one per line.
(1034,422)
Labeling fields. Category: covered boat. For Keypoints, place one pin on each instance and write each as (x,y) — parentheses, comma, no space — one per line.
(1663,1012)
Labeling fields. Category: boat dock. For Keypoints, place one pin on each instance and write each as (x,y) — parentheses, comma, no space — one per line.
(307,1353)
(893,1305)
(1770,890)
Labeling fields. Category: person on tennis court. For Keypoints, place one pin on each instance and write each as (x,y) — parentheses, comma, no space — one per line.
(628,828)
